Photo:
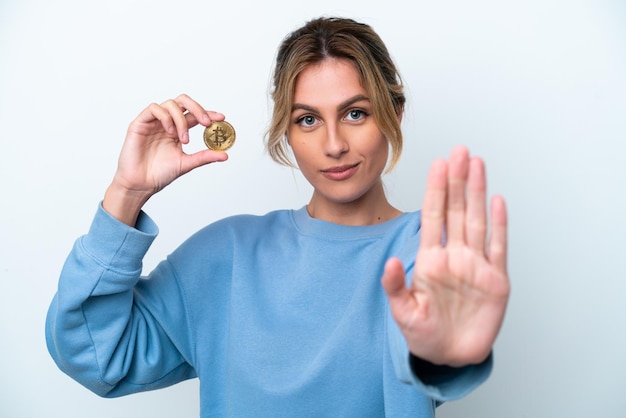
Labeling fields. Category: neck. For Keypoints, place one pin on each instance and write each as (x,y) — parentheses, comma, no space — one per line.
(370,209)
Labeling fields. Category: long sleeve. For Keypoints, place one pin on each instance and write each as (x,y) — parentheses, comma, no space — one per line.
(105,326)
(264,310)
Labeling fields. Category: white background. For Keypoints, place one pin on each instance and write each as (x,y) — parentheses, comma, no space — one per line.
(537,88)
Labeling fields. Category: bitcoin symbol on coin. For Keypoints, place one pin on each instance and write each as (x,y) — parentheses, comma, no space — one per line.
(219,136)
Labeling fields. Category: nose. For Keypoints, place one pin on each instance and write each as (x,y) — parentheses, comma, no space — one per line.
(336,143)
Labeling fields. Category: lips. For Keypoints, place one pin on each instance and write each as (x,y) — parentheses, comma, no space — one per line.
(342,172)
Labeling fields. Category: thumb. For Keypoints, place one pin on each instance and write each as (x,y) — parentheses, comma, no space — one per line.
(400,298)
(393,277)
(200,158)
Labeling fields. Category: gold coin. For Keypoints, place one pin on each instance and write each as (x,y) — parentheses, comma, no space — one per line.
(219,136)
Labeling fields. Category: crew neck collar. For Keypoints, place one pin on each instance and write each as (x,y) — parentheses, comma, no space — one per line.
(312,226)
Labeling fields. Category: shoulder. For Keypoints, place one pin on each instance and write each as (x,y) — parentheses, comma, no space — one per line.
(406,225)
(409,238)
(248,222)
(240,227)
(412,219)
(218,244)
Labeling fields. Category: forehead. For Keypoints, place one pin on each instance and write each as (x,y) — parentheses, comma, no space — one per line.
(330,81)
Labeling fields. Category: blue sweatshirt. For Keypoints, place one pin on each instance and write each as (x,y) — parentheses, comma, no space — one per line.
(280,315)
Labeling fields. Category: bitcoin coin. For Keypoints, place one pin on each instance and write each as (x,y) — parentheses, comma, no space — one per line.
(219,136)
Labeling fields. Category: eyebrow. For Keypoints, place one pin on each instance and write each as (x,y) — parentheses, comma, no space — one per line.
(342,106)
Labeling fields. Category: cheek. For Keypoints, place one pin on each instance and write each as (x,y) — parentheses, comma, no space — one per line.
(303,146)
(378,148)
(383,156)
(301,151)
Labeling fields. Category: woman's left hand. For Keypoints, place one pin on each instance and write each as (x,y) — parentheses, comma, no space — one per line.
(453,309)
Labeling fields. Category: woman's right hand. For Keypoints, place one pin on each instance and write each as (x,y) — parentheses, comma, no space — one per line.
(152,156)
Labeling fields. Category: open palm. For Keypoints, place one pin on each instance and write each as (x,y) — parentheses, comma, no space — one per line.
(453,309)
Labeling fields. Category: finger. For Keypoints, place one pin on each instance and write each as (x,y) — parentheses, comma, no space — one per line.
(476,215)
(401,301)
(151,116)
(176,111)
(210,116)
(200,114)
(214,116)
(433,209)
(497,252)
(200,158)
(187,113)
(457,181)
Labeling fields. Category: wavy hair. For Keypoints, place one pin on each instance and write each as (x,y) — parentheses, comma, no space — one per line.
(333,37)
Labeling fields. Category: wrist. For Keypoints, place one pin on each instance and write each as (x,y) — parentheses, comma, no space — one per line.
(124,204)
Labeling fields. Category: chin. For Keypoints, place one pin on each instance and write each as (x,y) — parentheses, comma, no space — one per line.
(343,198)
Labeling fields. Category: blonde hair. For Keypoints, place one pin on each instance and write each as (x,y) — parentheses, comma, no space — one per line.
(331,37)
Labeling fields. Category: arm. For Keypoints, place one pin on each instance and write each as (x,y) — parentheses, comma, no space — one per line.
(104,327)
(107,327)
(450,313)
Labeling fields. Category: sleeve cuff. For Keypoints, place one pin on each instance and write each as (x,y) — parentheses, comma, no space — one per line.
(441,383)
(113,243)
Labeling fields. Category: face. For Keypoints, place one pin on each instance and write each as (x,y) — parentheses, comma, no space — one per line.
(335,140)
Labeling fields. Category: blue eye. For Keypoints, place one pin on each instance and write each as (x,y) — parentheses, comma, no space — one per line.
(356,114)
(307,120)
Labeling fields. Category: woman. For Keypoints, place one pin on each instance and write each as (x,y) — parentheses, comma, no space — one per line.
(284,314)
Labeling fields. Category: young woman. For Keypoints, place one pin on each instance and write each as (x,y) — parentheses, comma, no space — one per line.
(346,307)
